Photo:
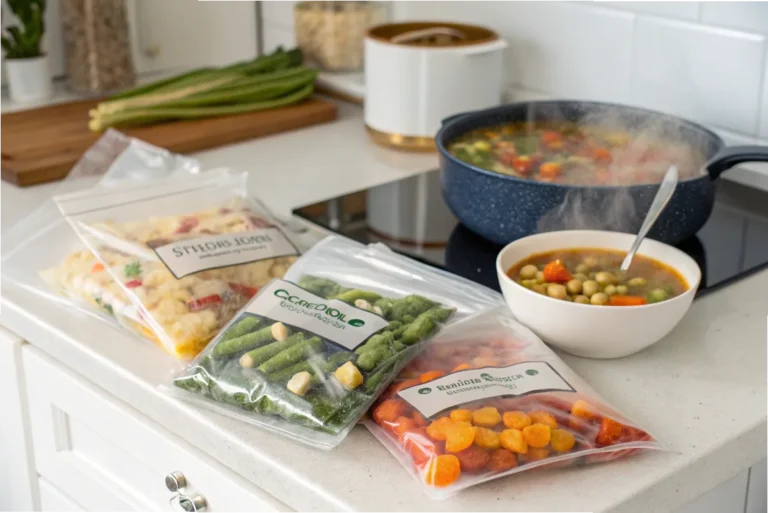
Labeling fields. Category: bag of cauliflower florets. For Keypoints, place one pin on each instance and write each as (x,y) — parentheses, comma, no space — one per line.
(188,254)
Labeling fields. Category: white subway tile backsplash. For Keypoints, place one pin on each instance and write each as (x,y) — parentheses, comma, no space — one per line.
(682,10)
(278,13)
(563,49)
(707,74)
(516,94)
(751,16)
(434,11)
(275,36)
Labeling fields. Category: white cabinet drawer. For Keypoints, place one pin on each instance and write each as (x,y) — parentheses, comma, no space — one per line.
(108,457)
(53,499)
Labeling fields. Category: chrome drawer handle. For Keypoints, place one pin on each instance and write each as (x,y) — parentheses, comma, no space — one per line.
(190,503)
(175,481)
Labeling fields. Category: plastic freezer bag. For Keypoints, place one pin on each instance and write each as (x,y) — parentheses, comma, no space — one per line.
(487,399)
(309,354)
(186,255)
(42,254)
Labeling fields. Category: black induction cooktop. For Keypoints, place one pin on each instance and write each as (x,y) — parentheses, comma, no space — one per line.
(410,217)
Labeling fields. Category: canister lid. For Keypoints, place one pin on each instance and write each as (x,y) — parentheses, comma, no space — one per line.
(432,34)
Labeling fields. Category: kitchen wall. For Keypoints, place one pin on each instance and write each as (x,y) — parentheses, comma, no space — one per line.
(706,61)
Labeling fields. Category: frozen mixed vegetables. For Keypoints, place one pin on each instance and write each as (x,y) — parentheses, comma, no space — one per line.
(176,278)
(269,367)
(481,405)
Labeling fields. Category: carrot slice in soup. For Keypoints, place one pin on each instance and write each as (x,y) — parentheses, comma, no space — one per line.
(627,300)
(555,272)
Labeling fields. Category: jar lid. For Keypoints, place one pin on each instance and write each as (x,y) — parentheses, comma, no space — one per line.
(431,34)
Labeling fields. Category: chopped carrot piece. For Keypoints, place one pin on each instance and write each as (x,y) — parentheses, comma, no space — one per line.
(522,164)
(513,440)
(548,136)
(437,429)
(602,155)
(97,267)
(516,419)
(473,458)
(419,419)
(550,170)
(429,376)
(461,367)
(402,425)
(459,436)
(443,470)
(555,272)
(543,417)
(420,446)
(486,438)
(609,433)
(537,435)
(582,409)
(502,460)
(388,411)
(562,440)
(627,300)
(486,417)
(536,454)
(465,415)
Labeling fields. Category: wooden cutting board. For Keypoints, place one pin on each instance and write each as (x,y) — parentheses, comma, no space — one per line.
(42,145)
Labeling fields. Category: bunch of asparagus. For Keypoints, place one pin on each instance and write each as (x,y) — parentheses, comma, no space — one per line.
(250,365)
(267,82)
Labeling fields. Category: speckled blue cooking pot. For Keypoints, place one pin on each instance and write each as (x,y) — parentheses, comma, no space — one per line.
(503,208)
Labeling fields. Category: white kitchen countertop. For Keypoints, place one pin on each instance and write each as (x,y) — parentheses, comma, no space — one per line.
(701,390)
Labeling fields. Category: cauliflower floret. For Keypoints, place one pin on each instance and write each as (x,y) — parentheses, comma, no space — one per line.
(209,288)
(299,383)
(157,276)
(349,376)
(170,308)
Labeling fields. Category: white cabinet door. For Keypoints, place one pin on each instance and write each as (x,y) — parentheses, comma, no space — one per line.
(53,499)
(18,480)
(728,497)
(176,34)
(105,456)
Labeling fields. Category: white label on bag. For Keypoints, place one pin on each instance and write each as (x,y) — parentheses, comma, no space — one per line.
(331,319)
(474,384)
(190,256)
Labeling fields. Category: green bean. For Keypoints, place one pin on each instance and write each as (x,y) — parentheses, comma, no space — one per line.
(292,354)
(262,354)
(240,328)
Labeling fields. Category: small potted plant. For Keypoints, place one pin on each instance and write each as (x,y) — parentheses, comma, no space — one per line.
(29,77)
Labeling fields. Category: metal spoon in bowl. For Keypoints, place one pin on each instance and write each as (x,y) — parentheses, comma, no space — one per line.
(666,189)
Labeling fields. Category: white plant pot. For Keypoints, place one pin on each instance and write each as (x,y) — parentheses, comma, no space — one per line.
(29,80)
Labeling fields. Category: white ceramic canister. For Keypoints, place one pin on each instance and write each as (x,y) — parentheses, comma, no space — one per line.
(417,74)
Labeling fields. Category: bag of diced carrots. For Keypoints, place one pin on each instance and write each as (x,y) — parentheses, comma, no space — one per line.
(487,399)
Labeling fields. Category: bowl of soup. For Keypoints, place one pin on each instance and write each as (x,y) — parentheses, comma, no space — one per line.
(530,167)
(567,287)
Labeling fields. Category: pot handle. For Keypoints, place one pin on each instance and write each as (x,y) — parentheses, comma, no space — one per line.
(731,156)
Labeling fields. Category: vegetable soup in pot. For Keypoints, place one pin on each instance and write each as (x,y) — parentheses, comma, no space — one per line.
(576,154)
(592,276)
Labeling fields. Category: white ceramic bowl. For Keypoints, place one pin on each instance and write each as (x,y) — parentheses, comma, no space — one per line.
(589,330)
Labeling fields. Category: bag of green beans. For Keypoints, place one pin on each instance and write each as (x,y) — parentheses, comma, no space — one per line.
(308,355)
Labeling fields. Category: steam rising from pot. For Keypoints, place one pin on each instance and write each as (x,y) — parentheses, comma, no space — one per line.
(614,208)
